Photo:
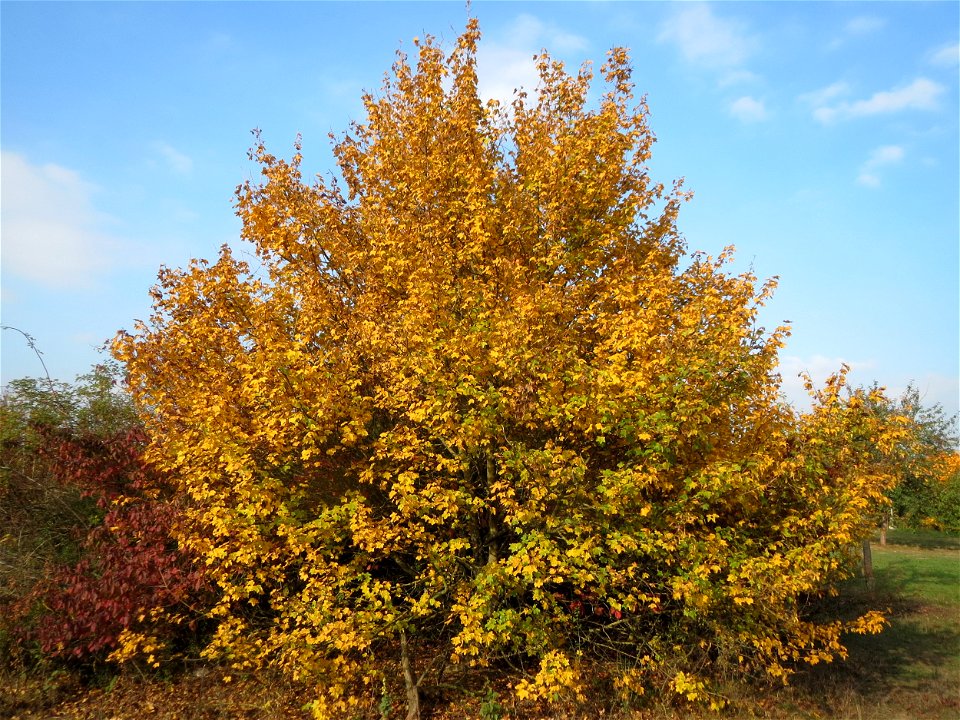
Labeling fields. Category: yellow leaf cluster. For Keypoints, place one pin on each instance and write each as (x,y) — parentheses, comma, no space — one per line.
(477,395)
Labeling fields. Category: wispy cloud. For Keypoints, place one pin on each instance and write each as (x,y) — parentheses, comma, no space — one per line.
(819,368)
(505,63)
(219,41)
(946,56)
(705,39)
(886,154)
(881,156)
(819,98)
(864,25)
(748,109)
(175,160)
(527,30)
(858,26)
(737,77)
(937,389)
(921,94)
(52,233)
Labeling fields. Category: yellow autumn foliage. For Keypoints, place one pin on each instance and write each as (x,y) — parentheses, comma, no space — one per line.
(475,404)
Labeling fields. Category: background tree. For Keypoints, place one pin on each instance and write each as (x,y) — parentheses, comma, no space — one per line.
(38,513)
(924,467)
(946,514)
(478,408)
(932,441)
(87,552)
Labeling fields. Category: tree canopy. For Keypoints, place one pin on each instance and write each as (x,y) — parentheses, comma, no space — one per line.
(476,406)
(87,562)
(928,482)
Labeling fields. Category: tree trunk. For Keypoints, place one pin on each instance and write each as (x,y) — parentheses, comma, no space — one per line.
(409,682)
(868,565)
(492,529)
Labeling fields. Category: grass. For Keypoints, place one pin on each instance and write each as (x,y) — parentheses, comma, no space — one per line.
(925,538)
(930,576)
(911,671)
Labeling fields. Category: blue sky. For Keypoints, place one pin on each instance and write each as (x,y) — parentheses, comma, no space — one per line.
(821,139)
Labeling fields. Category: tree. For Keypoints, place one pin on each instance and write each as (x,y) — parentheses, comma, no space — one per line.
(479,408)
(39,513)
(89,564)
(927,452)
(946,510)
(923,465)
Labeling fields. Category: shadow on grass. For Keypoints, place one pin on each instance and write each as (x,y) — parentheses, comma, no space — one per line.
(930,577)
(909,650)
(905,672)
(912,668)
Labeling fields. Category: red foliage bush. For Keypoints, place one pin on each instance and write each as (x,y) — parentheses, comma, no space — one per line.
(128,564)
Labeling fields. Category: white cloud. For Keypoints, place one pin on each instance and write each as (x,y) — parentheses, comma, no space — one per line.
(706,39)
(819,368)
(946,56)
(737,77)
(881,156)
(502,69)
(748,109)
(52,234)
(921,94)
(505,63)
(936,389)
(175,160)
(864,25)
(857,27)
(819,98)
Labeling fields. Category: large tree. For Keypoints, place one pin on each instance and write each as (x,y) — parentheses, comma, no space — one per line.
(475,405)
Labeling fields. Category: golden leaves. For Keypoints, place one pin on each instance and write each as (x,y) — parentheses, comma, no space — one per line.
(556,677)
(481,390)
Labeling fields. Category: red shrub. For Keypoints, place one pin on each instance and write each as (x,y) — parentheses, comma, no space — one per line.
(128,565)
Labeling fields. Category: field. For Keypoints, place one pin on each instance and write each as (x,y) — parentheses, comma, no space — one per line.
(909,672)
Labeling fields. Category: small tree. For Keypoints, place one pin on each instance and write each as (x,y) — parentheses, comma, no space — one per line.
(946,511)
(924,464)
(39,515)
(88,555)
(478,408)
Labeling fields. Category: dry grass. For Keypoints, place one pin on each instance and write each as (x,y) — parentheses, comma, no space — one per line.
(201,695)
(909,672)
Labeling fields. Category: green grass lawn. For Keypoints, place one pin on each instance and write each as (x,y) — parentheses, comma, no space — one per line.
(921,538)
(931,576)
(911,671)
